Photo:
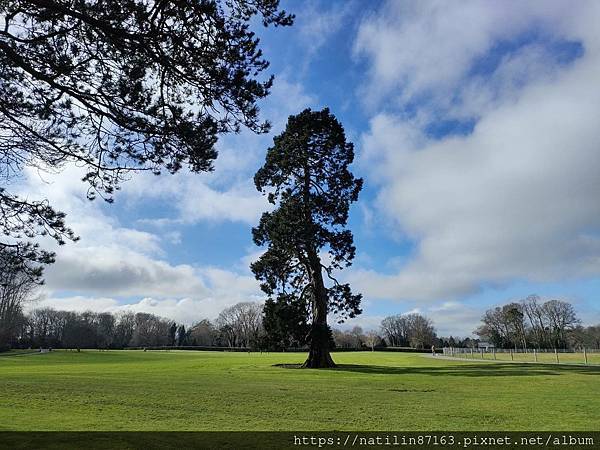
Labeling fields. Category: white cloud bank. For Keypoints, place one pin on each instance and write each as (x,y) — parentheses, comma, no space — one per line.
(428,47)
(112,263)
(220,290)
(518,197)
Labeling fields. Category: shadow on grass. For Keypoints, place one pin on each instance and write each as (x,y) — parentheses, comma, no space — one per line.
(463,370)
(472,370)
(23,353)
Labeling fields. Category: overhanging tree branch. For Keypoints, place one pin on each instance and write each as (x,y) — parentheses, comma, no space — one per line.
(122,86)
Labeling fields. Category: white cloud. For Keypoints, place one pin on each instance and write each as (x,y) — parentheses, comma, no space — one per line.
(116,270)
(111,262)
(66,192)
(109,259)
(449,319)
(195,200)
(182,310)
(317,25)
(181,293)
(76,303)
(517,198)
(455,318)
(428,47)
(365,321)
(215,290)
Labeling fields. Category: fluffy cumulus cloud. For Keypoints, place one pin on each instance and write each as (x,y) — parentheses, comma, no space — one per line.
(427,48)
(317,24)
(197,198)
(116,268)
(109,258)
(219,289)
(455,318)
(517,196)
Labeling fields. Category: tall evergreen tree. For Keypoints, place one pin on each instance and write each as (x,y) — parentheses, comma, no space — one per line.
(181,335)
(172,333)
(306,177)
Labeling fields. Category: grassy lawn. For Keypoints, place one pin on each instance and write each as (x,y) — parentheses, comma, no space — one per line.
(134,390)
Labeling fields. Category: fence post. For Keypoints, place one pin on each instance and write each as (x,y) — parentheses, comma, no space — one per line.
(556,353)
(585,355)
(535,355)
(472,353)
(494,350)
(481,353)
(512,356)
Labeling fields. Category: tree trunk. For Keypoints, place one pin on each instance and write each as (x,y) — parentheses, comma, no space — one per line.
(318,356)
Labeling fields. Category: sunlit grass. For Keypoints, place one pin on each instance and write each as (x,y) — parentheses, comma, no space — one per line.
(135,390)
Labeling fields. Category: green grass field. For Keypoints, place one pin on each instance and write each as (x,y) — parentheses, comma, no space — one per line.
(134,390)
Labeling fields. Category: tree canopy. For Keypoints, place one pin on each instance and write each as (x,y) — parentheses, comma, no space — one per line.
(285,323)
(120,86)
(306,176)
(530,323)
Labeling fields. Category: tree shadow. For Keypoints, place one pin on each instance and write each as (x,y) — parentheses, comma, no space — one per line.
(472,370)
(14,354)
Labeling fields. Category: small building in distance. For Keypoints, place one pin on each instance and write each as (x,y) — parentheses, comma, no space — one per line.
(485,345)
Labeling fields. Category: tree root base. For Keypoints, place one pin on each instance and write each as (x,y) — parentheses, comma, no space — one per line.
(319,359)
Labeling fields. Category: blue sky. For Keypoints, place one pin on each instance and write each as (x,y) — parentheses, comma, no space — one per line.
(475,130)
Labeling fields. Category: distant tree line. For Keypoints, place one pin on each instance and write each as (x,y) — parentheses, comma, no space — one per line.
(47,327)
(409,330)
(355,338)
(530,323)
(237,326)
(533,323)
(402,330)
(243,325)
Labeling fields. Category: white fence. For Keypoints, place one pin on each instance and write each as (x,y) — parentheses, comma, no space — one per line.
(584,356)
